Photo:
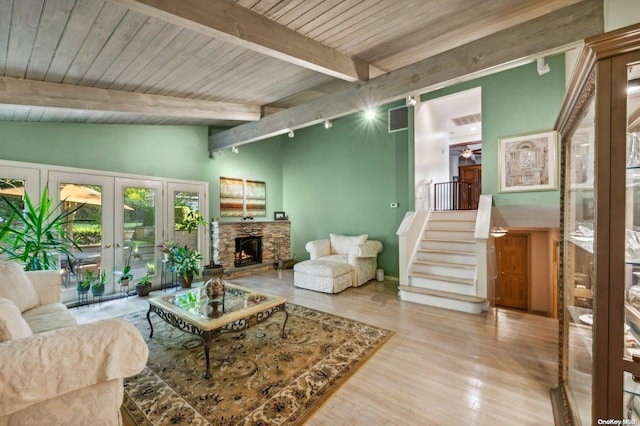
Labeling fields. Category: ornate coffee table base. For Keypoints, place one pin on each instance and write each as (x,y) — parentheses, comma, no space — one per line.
(208,335)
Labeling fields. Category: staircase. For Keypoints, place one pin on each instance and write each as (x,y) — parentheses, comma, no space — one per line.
(444,268)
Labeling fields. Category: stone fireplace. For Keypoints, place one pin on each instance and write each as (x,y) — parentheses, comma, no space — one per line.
(276,238)
(248,251)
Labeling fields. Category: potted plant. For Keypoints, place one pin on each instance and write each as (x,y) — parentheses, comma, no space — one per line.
(126,276)
(38,235)
(98,282)
(144,286)
(186,263)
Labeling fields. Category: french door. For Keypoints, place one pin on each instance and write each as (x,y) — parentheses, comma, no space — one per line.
(120,224)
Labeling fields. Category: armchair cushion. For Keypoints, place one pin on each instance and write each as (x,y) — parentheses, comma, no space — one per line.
(49,317)
(16,286)
(318,248)
(53,363)
(12,325)
(341,244)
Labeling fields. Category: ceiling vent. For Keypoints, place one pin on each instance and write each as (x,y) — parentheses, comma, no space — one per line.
(467,119)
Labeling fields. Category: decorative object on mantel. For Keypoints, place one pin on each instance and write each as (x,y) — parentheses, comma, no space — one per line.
(279,216)
(275,390)
(247,218)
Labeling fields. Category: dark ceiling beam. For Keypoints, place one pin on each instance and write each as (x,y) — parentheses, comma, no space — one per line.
(524,42)
(238,25)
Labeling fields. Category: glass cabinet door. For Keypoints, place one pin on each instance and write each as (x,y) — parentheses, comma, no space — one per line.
(631,380)
(578,266)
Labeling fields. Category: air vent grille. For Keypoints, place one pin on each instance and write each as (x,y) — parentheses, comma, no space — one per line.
(467,119)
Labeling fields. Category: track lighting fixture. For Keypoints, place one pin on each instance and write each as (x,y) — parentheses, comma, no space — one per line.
(234,149)
(328,124)
(291,134)
(411,101)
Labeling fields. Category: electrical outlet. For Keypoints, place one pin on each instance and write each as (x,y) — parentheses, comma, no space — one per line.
(394,205)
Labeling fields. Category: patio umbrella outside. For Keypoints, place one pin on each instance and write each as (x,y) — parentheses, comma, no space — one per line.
(70,193)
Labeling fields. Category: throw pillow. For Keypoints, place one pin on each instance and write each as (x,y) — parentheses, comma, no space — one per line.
(16,286)
(12,325)
(341,244)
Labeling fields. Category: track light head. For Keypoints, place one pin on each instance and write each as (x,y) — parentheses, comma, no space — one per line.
(234,149)
(411,101)
(328,124)
(291,134)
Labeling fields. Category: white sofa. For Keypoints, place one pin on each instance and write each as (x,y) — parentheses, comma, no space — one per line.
(338,263)
(53,371)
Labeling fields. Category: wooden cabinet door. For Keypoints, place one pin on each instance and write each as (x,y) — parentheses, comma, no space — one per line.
(512,287)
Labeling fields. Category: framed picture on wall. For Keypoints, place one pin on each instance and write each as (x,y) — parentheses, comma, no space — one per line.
(279,216)
(528,162)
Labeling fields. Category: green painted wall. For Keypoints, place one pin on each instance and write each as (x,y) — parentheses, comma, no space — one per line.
(179,152)
(515,102)
(338,180)
(342,180)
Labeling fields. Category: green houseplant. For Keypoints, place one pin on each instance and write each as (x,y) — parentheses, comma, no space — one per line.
(144,286)
(98,282)
(38,235)
(186,263)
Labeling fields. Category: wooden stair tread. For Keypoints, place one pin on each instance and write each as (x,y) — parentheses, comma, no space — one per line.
(440,251)
(445,264)
(447,278)
(441,240)
(444,294)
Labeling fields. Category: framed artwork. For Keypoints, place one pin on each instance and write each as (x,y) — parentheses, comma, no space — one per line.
(528,162)
(239,197)
(255,198)
(279,216)
(231,197)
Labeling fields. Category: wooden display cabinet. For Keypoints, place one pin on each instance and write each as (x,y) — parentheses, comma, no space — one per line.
(600,229)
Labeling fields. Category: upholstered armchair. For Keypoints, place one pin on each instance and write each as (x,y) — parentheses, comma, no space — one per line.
(52,370)
(357,251)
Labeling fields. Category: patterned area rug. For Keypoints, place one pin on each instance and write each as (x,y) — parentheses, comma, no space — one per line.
(258,378)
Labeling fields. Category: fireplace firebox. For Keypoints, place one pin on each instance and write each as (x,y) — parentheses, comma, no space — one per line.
(248,251)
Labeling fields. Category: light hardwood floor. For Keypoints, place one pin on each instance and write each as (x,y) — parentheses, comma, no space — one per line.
(440,368)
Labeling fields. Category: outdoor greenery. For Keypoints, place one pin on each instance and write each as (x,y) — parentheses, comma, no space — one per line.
(37,235)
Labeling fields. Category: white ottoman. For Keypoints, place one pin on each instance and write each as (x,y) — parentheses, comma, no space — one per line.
(322,275)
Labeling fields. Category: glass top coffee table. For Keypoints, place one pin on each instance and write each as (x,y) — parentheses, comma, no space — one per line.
(237,309)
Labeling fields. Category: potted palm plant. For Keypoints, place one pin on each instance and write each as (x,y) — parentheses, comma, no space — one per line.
(38,235)
(186,263)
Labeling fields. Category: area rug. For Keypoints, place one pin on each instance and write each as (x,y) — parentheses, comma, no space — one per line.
(258,378)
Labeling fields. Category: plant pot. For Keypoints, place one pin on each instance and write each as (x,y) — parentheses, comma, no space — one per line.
(124,282)
(80,288)
(143,290)
(186,282)
(97,291)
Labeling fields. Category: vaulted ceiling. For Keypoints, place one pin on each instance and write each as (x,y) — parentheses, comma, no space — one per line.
(259,66)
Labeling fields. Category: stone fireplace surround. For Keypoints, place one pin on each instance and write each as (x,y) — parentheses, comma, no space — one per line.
(272,232)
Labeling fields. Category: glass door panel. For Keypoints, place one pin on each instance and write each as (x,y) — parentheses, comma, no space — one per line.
(138,227)
(631,397)
(578,266)
(13,183)
(187,202)
(92,229)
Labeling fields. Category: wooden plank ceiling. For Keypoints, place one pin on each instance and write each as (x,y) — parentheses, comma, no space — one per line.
(224,62)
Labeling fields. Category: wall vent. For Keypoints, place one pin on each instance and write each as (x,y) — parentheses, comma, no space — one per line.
(398,119)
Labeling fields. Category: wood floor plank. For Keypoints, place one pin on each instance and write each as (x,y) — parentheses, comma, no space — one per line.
(440,368)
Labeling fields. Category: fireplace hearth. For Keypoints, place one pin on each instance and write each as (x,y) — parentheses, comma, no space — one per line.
(248,251)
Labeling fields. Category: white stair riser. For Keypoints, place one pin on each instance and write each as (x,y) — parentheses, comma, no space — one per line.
(448,234)
(445,271)
(447,224)
(440,302)
(467,247)
(434,256)
(454,215)
(441,285)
